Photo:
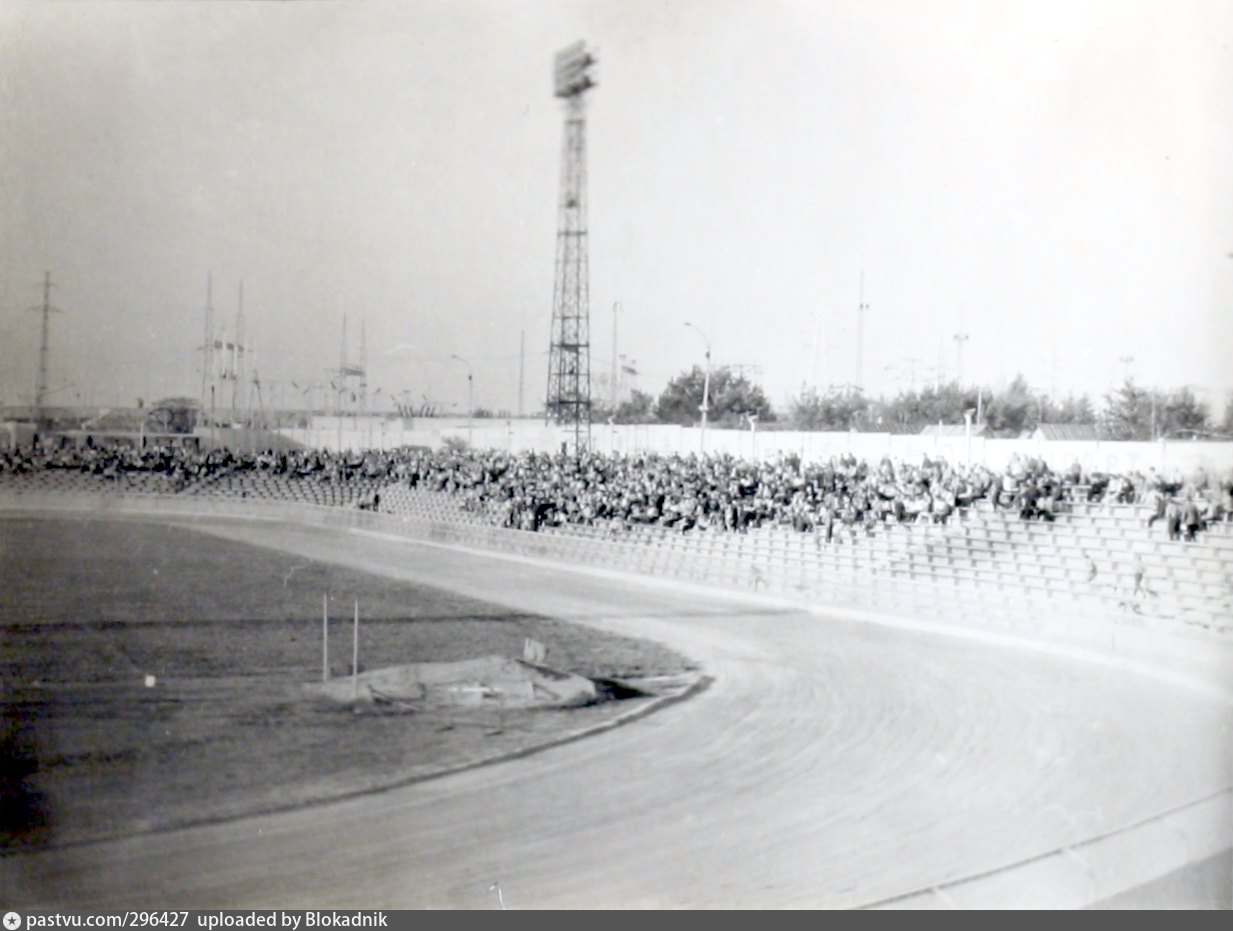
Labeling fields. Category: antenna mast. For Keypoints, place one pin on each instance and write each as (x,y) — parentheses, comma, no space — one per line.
(352,376)
(237,355)
(207,348)
(363,367)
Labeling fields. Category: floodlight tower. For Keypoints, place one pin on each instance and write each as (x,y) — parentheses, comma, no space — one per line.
(959,338)
(569,359)
(40,388)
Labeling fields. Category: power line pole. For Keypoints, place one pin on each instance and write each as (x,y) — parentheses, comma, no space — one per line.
(238,382)
(910,365)
(817,351)
(363,406)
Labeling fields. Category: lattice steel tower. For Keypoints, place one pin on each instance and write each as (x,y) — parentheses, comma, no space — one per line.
(569,360)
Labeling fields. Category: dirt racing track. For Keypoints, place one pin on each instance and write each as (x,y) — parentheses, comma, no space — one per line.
(833,761)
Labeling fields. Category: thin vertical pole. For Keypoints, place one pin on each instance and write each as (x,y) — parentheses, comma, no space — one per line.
(340,387)
(207,345)
(616,309)
(522,361)
(325,638)
(861,307)
(706,399)
(41,388)
(355,655)
(237,354)
(817,351)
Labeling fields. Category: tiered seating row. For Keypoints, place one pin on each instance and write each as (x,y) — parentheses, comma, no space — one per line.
(404,501)
(309,490)
(74,481)
(991,557)
(1089,559)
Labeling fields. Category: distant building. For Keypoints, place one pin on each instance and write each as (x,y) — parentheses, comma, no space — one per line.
(953,430)
(1081,432)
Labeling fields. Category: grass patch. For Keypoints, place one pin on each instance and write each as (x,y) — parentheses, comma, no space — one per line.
(232,633)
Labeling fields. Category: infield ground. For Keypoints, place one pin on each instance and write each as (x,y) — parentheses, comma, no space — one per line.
(231,634)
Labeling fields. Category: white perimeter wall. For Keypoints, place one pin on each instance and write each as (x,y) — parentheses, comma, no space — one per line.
(522,435)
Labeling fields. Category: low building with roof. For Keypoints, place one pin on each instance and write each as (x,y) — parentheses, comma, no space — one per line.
(954,430)
(1066,432)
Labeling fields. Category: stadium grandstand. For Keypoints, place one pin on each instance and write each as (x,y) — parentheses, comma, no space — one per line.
(1151,547)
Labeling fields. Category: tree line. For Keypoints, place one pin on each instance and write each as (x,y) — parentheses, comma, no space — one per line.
(1129,412)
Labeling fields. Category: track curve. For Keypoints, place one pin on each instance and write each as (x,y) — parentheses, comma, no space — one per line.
(830,764)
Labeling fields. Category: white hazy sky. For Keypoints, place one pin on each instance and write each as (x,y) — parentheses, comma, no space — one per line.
(1053,178)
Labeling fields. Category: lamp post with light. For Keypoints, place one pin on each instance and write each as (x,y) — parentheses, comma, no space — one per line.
(470,398)
(706,384)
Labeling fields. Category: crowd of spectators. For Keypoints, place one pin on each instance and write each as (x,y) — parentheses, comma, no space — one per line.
(530,491)
(113,463)
(187,466)
(533,491)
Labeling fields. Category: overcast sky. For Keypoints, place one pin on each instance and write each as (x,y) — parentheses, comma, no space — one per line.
(1053,179)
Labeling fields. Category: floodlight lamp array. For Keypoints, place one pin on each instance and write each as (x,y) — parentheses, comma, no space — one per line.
(570,76)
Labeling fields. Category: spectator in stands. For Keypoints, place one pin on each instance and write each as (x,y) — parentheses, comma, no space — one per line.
(1222,509)
(1098,483)
(690,494)
(1191,521)
(1140,587)
(1092,570)
(1156,497)
(1173,520)
(1046,504)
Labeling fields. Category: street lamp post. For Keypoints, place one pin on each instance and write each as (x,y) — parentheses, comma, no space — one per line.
(470,399)
(967,431)
(706,385)
(338,402)
(616,309)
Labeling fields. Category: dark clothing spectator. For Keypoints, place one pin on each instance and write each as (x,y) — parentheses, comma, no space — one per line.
(1173,521)
(1191,523)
